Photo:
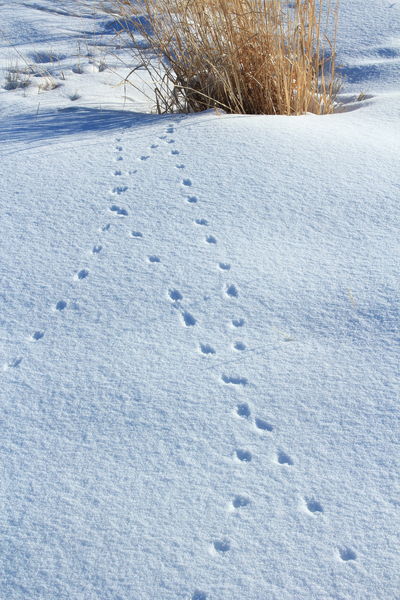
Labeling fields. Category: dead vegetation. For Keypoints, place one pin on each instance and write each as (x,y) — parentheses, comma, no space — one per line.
(243,56)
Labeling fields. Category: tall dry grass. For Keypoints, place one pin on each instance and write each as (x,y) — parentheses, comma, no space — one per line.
(244,56)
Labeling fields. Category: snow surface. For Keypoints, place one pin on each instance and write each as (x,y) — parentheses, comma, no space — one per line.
(199,330)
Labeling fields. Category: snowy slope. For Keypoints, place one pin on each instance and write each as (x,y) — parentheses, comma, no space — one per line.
(199,334)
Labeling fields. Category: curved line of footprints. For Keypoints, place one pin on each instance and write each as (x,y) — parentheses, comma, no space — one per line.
(243,456)
(222,546)
(116,210)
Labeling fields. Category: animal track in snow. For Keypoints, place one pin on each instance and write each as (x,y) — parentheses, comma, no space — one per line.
(243,410)
(38,335)
(174,152)
(243,455)
(170,129)
(117,173)
(263,425)
(162,137)
(192,199)
(97,249)
(106,227)
(61,305)
(119,148)
(202,222)
(136,234)
(180,166)
(232,291)
(239,346)
(238,322)
(175,295)
(234,380)
(210,239)
(206,349)
(284,459)
(171,142)
(221,546)
(313,506)
(122,212)
(154,259)
(144,157)
(154,146)
(120,189)
(187,182)
(224,266)
(240,502)
(188,319)
(198,595)
(119,158)
(347,554)
(13,364)
(82,274)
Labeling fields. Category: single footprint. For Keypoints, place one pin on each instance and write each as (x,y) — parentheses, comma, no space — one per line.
(263,425)
(198,595)
(187,182)
(175,295)
(224,266)
(234,380)
(180,166)
(61,305)
(37,335)
(238,322)
(192,199)
(136,234)
(120,189)
(243,410)
(188,319)
(117,173)
(119,158)
(239,346)
(240,501)
(314,506)
(13,364)
(169,130)
(122,212)
(284,459)
(221,546)
(243,455)
(162,137)
(82,274)
(154,146)
(232,291)
(210,239)
(144,157)
(154,259)
(206,349)
(119,148)
(97,249)
(203,222)
(171,142)
(174,152)
(106,227)
(347,554)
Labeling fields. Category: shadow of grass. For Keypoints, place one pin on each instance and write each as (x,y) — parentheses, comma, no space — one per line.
(54,125)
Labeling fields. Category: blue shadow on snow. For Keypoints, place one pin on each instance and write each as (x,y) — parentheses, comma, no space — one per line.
(70,121)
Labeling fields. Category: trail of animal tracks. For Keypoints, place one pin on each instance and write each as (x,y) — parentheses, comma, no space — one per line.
(199,332)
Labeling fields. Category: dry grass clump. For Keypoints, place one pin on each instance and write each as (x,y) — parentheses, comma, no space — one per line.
(17,78)
(244,56)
